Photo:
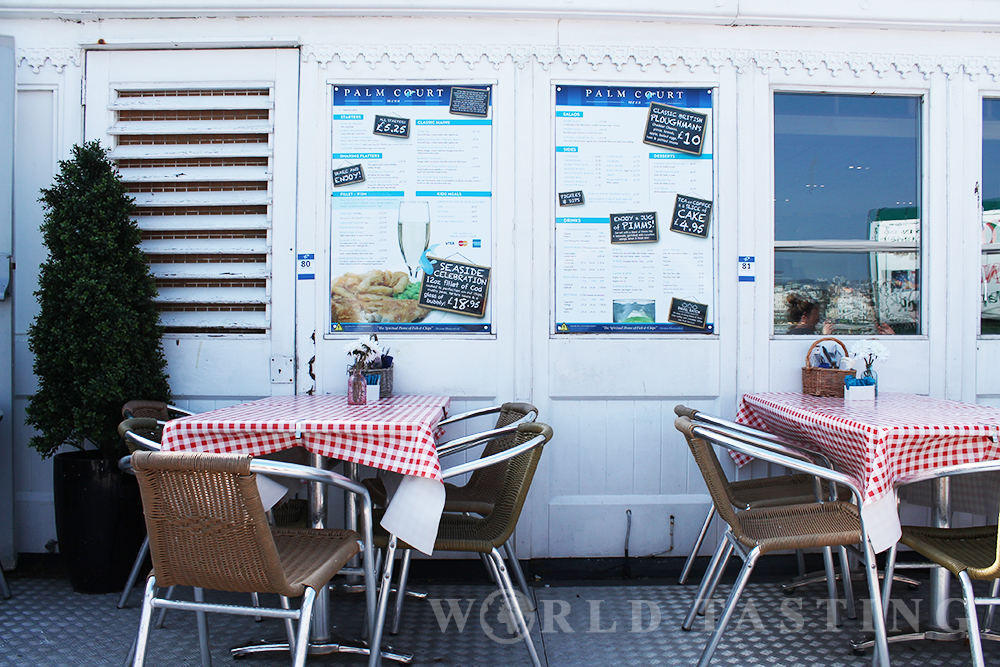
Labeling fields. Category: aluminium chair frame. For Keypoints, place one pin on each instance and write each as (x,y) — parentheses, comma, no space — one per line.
(125,464)
(494,560)
(969,599)
(455,446)
(795,451)
(299,644)
(750,555)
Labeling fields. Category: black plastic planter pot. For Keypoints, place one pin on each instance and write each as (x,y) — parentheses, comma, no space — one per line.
(99,523)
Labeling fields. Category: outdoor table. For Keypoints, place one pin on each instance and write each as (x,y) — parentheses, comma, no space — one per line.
(881,441)
(395,434)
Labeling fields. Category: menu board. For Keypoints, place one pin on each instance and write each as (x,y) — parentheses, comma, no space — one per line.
(426,199)
(610,281)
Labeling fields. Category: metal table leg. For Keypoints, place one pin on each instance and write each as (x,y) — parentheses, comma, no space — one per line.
(321,639)
(937,629)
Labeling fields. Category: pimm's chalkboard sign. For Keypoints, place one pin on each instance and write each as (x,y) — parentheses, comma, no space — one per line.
(634,228)
(470,101)
(456,287)
(688,313)
(348,175)
(574,198)
(390,126)
(691,216)
(677,129)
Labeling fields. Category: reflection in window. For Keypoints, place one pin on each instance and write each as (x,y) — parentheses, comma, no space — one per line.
(846,213)
(990,322)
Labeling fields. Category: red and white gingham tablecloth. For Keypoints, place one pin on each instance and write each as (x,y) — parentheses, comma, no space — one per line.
(395,434)
(878,442)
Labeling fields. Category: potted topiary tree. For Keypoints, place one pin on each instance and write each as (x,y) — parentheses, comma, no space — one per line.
(97,344)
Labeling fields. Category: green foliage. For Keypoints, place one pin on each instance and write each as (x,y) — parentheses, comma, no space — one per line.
(97,337)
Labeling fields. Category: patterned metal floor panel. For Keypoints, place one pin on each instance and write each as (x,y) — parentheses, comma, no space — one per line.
(46,624)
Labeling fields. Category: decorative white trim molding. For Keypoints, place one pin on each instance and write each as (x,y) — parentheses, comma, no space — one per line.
(645,57)
(37,58)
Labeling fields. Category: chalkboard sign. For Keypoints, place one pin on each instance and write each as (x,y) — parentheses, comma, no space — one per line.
(691,216)
(688,313)
(391,126)
(348,175)
(470,101)
(456,287)
(634,228)
(574,198)
(677,129)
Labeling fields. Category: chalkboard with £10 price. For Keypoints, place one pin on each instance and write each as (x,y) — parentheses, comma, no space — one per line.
(688,313)
(390,126)
(674,128)
(691,216)
(456,287)
(634,228)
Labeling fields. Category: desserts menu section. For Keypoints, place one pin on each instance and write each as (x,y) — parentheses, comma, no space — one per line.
(411,208)
(633,209)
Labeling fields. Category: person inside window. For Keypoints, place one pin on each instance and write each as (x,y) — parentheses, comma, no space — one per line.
(804,315)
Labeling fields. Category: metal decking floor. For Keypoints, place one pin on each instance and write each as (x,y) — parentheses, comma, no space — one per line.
(46,624)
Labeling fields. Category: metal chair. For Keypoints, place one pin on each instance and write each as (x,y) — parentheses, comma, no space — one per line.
(486,534)
(754,532)
(971,553)
(207,528)
(776,491)
(139,433)
(478,494)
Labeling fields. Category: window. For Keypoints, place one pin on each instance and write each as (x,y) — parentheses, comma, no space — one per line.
(846,213)
(990,320)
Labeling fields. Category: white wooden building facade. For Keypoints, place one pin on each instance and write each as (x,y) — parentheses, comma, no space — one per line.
(224,237)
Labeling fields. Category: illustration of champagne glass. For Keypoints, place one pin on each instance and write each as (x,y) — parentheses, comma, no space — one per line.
(414,229)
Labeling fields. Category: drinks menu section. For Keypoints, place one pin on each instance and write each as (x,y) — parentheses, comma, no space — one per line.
(615,271)
(425,195)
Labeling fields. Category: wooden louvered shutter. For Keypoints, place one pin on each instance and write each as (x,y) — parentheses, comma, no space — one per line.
(206,143)
(197,161)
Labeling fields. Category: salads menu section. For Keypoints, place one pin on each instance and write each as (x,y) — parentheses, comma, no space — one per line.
(634,155)
(412,168)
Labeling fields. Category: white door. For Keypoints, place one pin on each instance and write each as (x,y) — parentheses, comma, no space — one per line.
(205,140)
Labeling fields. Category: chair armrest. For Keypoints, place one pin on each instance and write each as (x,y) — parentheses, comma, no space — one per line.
(744,446)
(136,441)
(470,415)
(543,433)
(469,441)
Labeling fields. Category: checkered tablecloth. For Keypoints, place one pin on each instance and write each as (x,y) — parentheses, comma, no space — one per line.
(396,434)
(878,442)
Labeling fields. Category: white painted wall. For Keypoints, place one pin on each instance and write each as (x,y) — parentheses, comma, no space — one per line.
(609,398)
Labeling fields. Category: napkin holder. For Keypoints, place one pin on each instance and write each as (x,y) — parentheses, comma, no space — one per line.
(859,389)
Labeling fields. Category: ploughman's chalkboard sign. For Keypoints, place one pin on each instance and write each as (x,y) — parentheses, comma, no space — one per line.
(688,313)
(470,101)
(390,126)
(677,129)
(691,216)
(634,228)
(348,175)
(574,198)
(456,287)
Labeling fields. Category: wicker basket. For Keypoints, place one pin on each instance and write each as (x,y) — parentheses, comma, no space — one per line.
(385,381)
(823,381)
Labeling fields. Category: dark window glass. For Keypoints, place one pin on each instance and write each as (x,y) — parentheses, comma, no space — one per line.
(846,213)
(990,322)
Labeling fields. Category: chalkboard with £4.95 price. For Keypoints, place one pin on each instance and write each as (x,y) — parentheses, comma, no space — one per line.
(456,287)
(674,128)
(390,126)
(691,216)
